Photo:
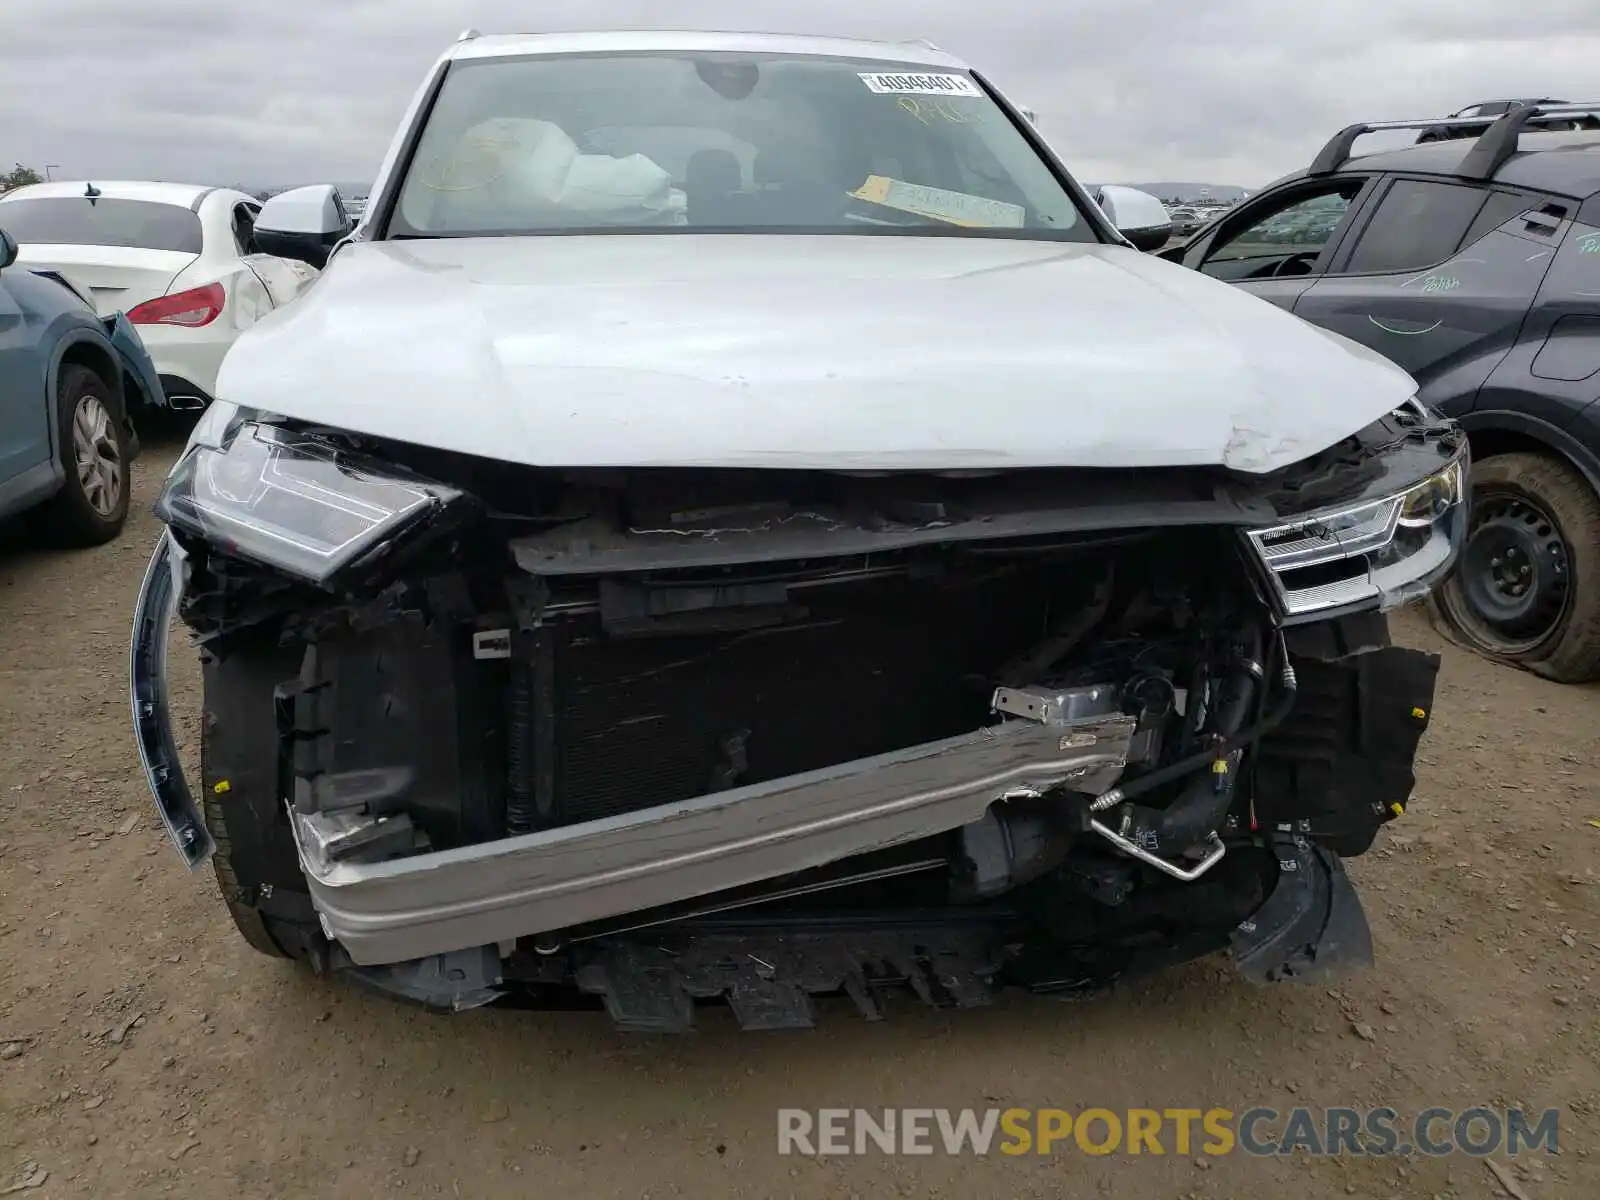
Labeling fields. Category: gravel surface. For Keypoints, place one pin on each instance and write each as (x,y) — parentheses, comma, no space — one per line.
(145,1051)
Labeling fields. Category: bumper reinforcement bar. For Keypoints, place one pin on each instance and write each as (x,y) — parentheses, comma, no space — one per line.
(496,892)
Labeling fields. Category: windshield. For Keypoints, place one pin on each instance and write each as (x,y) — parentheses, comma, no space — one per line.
(79,221)
(723,143)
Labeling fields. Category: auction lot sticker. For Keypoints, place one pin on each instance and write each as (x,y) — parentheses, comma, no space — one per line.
(886,84)
(958,208)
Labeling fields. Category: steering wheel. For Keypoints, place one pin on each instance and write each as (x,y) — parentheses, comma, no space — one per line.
(1302,263)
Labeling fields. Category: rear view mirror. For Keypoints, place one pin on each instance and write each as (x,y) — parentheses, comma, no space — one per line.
(1138,216)
(303,223)
(8,250)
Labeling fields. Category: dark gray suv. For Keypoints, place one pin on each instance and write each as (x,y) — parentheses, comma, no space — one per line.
(1473,261)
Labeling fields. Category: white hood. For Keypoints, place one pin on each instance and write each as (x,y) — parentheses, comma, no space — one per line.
(822,352)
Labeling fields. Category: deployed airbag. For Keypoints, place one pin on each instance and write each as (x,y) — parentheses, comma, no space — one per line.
(524,173)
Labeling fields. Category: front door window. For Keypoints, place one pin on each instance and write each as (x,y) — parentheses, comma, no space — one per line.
(1285,239)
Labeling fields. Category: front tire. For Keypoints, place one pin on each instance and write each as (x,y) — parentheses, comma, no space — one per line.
(1527,588)
(92,505)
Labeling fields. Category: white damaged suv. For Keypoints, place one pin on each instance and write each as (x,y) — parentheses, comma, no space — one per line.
(737,521)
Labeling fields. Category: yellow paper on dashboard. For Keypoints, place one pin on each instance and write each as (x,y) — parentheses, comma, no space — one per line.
(957,208)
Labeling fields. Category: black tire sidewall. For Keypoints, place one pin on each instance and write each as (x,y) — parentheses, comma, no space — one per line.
(73,516)
(1571,654)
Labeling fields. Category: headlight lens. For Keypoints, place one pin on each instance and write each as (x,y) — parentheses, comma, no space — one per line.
(293,501)
(1389,551)
(1425,504)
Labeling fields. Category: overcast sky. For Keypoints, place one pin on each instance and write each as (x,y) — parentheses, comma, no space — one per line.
(1225,91)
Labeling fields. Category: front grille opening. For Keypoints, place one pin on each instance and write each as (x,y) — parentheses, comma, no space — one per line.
(622,716)
(1325,574)
(887,665)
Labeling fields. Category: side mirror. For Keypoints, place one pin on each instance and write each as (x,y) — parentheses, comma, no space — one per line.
(8,249)
(1138,216)
(303,223)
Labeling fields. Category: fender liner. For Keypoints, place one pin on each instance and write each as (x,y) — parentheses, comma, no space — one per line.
(1553,436)
(1312,926)
(108,364)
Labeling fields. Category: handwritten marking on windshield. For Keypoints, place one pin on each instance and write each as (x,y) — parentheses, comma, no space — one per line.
(923,109)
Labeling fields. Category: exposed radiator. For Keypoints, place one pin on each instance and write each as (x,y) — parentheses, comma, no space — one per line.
(872,667)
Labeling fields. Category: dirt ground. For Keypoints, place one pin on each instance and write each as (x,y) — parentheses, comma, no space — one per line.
(155,1055)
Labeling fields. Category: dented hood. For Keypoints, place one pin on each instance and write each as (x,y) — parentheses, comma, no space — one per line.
(817,352)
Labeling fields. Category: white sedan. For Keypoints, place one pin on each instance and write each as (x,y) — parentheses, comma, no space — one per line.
(179,259)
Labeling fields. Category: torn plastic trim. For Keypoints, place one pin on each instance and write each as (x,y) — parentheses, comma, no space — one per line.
(991,509)
(1311,927)
(152,724)
(599,545)
(494,892)
(443,983)
(770,974)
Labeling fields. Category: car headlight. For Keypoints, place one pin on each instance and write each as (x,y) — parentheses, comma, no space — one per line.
(1422,506)
(1386,552)
(294,501)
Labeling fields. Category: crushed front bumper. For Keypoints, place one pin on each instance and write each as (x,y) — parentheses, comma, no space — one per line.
(496,892)
(435,927)
(152,724)
(499,891)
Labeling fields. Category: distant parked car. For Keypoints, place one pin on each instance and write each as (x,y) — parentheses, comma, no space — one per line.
(68,380)
(179,259)
(1185,220)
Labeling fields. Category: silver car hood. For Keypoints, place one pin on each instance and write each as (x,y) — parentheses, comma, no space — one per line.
(819,352)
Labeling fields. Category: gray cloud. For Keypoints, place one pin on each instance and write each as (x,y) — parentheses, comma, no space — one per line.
(1234,91)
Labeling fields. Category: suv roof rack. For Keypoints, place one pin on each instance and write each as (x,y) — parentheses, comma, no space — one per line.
(1488,154)
(1499,142)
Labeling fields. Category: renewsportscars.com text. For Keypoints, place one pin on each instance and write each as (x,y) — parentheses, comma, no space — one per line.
(1257,1131)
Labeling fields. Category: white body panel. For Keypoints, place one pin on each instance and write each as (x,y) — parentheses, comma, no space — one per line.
(116,278)
(832,352)
(829,352)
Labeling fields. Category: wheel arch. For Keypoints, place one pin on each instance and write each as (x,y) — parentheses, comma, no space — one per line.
(1506,432)
(81,348)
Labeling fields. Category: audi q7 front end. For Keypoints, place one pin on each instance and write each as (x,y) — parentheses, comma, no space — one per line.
(736,522)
